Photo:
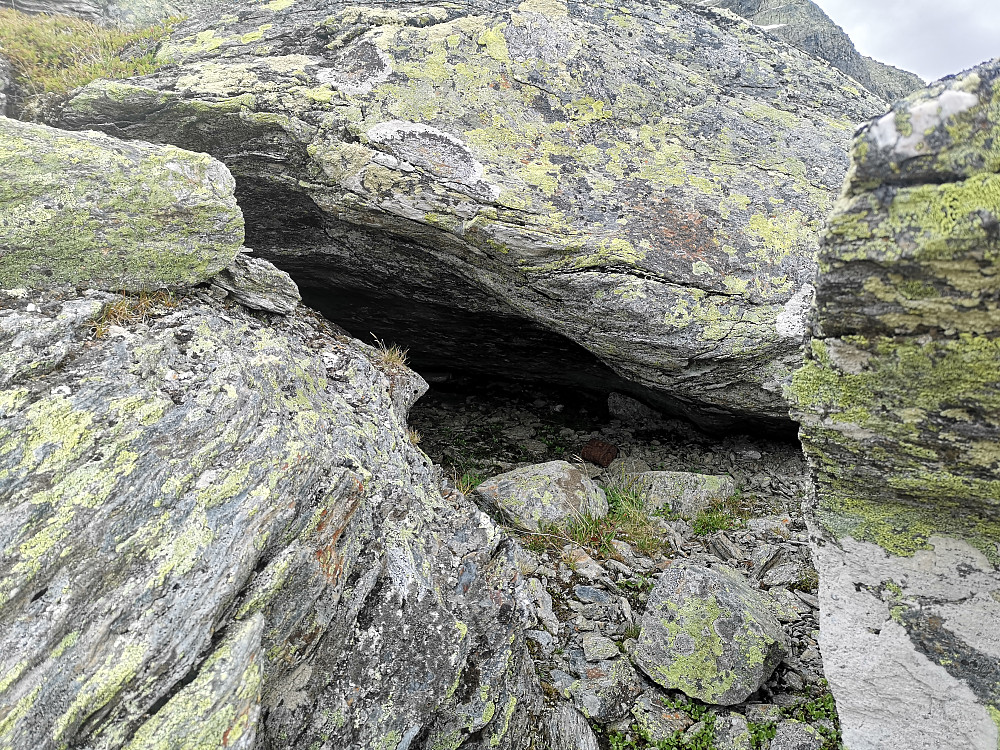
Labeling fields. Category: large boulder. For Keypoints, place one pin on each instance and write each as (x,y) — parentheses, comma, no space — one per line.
(707,633)
(899,404)
(804,24)
(619,196)
(214,531)
(88,211)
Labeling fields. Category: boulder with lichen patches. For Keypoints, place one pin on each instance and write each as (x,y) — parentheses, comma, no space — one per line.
(624,197)
(214,531)
(552,493)
(88,211)
(899,407)
(707,633)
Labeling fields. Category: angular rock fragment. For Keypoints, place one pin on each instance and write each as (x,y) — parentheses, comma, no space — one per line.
(566,728)
(550,493)
(86,210)
(899,404)
(657,721)
(257,284)
(732,733)
(683,492)
(606,689)
(707,633)
(794,735)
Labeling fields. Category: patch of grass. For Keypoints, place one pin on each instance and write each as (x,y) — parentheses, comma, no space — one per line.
(822,707)
(131,308)
(389,355)
(710,521)
(413,436)
(469,481)
(53,55)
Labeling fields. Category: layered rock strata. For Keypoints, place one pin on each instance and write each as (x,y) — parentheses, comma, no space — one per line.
(619,197)
(900,408)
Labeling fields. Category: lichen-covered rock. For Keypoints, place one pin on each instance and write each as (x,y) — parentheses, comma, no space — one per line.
(804,24)
(683,492)
(732,733)
(89,211)
(550,493)
(707,633)
(899,405)
(214,531)
(619,195)
(794,735)
(606,689)
(657,721)
(257,284)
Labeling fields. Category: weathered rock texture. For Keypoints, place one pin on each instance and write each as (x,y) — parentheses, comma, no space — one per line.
(86,210)
(610,196)
(900,410)
(215,532)
(707,633)
(805,25)
(123,12)
(683,492)
(550,493)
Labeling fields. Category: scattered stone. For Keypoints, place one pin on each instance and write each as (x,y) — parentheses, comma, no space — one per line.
(591,595)
(553,492)
(632,412)
(794,735)
(776,525)
(720,545)
(87,210)
(599,452)
(732,733)
(543,605)
(784,574)
(707,633)
(683,492)
(606,690)
(623,466)
(760,713)
(255,283)
(659,722)
(583,564)
(598,648)
(566,728)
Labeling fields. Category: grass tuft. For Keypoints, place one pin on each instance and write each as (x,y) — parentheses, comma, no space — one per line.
(53,55)
(389,355)
(132,308)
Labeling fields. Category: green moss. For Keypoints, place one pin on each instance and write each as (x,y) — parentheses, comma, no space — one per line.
(995,715)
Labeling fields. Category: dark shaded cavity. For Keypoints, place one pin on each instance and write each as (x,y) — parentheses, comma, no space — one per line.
(399,285)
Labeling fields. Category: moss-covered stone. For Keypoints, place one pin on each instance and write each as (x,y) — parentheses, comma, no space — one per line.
(89,211)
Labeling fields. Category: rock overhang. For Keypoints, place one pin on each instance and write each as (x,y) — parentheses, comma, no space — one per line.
(658,210)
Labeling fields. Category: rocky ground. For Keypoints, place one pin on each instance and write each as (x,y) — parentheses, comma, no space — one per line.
(589,582)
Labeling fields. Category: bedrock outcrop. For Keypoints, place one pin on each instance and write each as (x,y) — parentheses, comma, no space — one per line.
(624,197)
(803,24)
(117,12)
(900,411)
(93,212)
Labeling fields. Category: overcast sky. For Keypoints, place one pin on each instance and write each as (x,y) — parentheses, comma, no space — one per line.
(932,38)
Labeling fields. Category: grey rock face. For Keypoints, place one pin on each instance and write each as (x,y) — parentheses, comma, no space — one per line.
(514,166)
(6,84)
(707,633)
(88,211)
(683,492)
(899,411)
(794,735)
(214,528)
(554,493)
(257,284)
(732,733)
(567,729)
(803,24)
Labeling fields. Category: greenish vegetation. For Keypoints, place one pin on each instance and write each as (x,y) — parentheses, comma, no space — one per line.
(628,520)
(53,55)
(820,712)
(712,520)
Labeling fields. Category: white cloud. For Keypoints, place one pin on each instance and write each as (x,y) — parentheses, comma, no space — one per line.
(928,37)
